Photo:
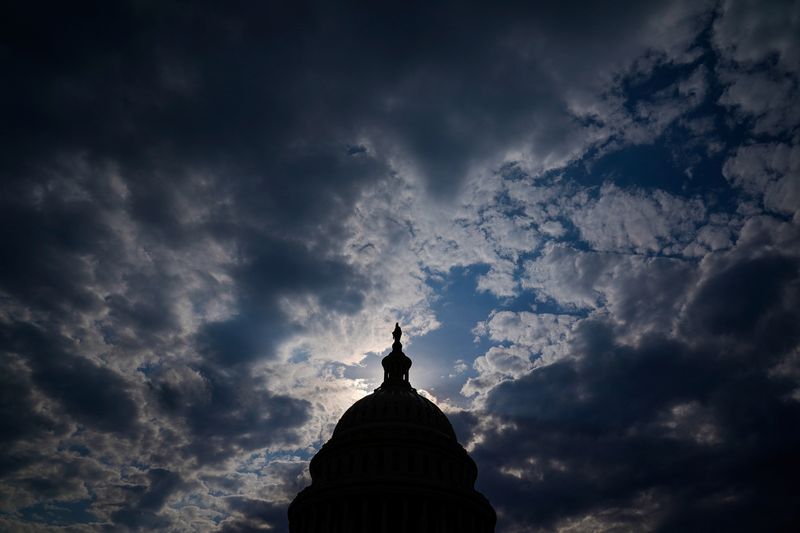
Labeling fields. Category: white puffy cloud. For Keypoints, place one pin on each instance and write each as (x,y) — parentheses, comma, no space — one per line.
(529,340)
(540,333)
(500,280)
(638,221)
(628,288)
(498,364)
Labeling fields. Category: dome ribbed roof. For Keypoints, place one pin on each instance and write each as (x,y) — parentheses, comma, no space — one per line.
(393,405)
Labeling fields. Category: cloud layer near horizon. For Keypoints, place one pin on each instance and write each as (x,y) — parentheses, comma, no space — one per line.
(586,218)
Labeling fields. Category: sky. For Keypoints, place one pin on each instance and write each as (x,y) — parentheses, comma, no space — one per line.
(585,217)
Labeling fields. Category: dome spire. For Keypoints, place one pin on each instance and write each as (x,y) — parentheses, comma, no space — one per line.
(396,364)
(396,334)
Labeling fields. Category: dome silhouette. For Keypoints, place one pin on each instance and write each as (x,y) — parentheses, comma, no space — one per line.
(392,465)
(394,406)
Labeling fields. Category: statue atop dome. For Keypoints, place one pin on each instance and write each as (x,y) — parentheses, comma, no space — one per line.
(396,364)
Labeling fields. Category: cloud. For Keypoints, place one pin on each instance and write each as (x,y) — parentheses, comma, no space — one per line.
(749,35)
(529,340)
(631,287)
(536,330)
(641,222)
(593,449)
(759,63)
(254,515)
(749,300)
(769,172)
(499,280)
(92,394)
(22,418)
(660,431)
(227,412)
(147,500)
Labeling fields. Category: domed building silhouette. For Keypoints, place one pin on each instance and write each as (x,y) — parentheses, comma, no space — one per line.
(393,465)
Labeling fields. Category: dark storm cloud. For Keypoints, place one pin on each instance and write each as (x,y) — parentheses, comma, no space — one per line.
(144,501)
(19,417)
(53,394)
(668,435)
(240,87)
(753,301)
(94,395)
(41,244)
(276,269)
(227,411)
(217,118)
(252,515)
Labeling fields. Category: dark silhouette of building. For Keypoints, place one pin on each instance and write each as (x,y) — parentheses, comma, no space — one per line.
(392,465)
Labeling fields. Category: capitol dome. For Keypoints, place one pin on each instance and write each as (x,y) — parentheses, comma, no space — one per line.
(392,465)
(394,406)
